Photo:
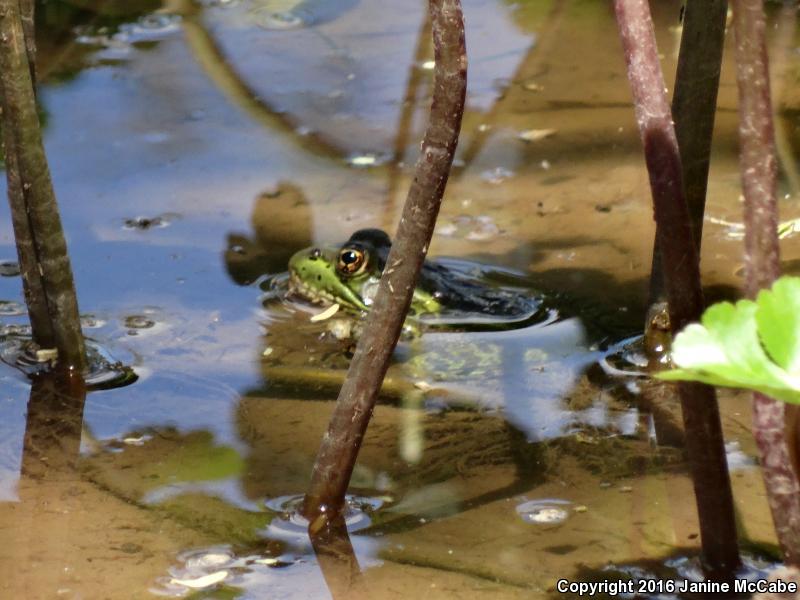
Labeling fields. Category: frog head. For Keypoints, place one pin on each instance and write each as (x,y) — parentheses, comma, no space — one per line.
(348,274)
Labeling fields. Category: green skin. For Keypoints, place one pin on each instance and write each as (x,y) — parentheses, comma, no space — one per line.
(314,276)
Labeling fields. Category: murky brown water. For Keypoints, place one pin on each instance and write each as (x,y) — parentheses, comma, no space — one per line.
(194,147)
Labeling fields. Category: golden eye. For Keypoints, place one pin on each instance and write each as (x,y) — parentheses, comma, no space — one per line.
(352,261)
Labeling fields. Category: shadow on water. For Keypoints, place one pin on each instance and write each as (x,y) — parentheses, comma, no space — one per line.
(49,462)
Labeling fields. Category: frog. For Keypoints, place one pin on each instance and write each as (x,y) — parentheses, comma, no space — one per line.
(348,275)
(487,339)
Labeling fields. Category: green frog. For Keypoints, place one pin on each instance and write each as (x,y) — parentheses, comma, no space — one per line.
(490,341)
(348,275)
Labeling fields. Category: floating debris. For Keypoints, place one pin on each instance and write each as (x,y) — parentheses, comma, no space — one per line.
(9,268)
(549,511)
(92,322)
(204,560)
(497,175)
(534,135)
(152,27)
(202,582)
(146,223)
(9,308)
(480,228)
(737,459)
(326,314)
(277,20)
(367,159)
(428,65)
(736,230)
(119,42)
(139,322)
(137,440)
(787,228)
(44,355)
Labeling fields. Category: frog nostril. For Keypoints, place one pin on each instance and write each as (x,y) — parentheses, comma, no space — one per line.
(315,253)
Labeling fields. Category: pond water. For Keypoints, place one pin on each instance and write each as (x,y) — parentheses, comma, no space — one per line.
(195,145)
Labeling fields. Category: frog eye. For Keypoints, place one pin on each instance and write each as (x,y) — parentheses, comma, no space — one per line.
(352,261)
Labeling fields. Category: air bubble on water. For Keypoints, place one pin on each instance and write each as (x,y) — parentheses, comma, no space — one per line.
(92,322)
(9,308)
(9,268)
(497,175)
(277,20)
(151,27)
(366,160)
(139,322)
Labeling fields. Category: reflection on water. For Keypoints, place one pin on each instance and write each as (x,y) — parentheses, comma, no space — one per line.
(195,146)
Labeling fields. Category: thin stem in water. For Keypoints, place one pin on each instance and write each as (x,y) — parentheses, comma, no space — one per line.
(762,262)
(704,440)
(342,441)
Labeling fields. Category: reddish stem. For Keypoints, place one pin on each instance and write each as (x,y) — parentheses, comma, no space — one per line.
(342,441)
(704,440)
(762,263)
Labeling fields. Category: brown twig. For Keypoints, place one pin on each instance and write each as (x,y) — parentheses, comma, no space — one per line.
(341,443)
(704,441)
(762,264)
(30,184)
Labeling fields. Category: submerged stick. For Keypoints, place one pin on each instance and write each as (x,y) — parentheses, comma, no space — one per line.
(694,106)
(24,143)
(704,440)
(762,264)
(341,443)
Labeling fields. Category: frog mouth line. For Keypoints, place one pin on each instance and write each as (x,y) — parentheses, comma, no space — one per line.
(310,293)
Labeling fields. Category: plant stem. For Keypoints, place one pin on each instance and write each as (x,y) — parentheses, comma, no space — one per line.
(24,143)
(340,445)
(762,264)
(704,441)
(694,106)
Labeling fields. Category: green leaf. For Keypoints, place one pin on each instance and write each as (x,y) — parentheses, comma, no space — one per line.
(778,319)
(752,345)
